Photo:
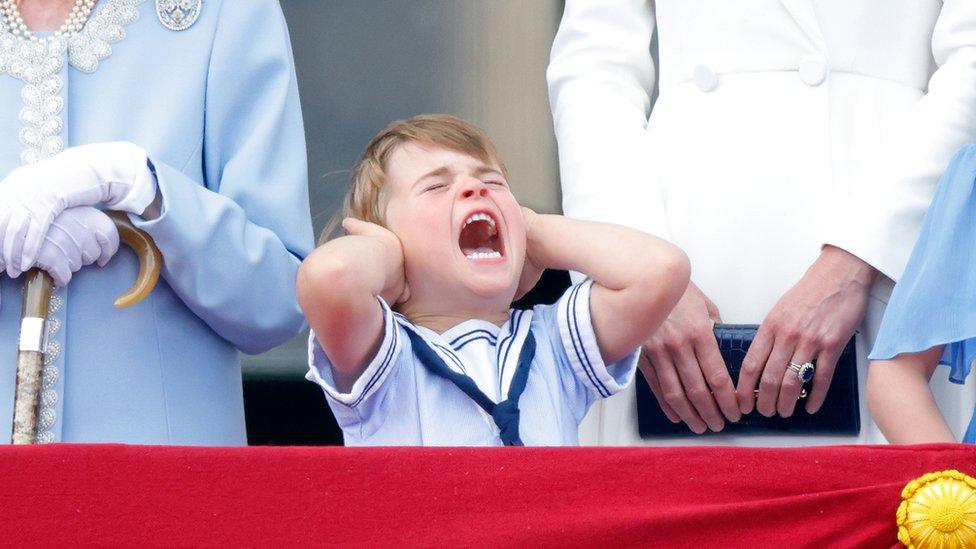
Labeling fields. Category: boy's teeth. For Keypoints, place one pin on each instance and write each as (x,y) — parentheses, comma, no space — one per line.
(484,255)
(480,217)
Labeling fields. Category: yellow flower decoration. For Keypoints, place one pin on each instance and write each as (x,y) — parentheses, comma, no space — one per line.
(938,510)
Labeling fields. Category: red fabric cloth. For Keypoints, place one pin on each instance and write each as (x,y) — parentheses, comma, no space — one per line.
(70,495)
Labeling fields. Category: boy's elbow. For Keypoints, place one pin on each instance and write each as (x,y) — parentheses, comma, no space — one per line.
(678,269)
(322,276)
(669,272)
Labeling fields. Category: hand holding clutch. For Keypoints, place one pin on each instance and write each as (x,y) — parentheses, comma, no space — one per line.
(840,413)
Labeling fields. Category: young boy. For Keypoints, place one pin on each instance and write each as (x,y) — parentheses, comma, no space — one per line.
(435,234)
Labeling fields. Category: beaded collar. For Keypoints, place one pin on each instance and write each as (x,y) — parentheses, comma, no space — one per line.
(38,64)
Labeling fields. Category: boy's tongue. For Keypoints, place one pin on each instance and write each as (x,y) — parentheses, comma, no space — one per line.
(478,237)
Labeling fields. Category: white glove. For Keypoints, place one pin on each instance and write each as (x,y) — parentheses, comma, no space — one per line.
(77,238)
(31,197)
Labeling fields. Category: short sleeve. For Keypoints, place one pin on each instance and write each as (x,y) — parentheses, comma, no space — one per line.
(932,304)
(361,404)
(575,344)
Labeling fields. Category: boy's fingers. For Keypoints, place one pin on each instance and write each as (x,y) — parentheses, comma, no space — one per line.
(359,227)
(352,225)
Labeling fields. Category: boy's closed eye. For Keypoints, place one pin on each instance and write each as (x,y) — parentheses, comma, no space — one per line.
(435,187)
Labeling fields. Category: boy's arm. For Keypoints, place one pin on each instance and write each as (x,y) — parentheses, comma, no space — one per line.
(337,287)
(901,401)
(638,278)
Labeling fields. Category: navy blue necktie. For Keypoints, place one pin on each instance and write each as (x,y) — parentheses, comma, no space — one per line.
(506,412)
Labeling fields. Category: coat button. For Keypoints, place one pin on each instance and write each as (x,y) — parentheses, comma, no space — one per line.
(813,70)
(705,78)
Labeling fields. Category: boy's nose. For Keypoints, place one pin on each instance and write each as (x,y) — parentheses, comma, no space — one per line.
(474,187)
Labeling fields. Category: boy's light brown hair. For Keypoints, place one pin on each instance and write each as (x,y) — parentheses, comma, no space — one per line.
(366,199)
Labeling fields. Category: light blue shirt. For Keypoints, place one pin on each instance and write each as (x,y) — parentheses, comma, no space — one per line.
(397,401)
(216,106)
(934,302)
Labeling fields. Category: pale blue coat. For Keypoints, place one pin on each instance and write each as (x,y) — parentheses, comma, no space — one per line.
(216,106)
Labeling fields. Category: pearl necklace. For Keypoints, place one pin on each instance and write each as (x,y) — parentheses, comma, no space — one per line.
(72,24)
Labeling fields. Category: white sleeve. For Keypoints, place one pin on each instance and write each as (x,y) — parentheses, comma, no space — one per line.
(577,346)
(361,402)
(600,77)
(882,219)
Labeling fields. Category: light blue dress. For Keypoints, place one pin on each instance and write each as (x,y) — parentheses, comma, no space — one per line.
(216,106)
(934,302)
(397,401)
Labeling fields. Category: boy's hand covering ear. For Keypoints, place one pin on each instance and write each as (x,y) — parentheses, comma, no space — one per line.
(397,290)
(531,270)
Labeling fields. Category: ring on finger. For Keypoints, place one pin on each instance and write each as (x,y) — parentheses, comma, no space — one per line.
(803,371)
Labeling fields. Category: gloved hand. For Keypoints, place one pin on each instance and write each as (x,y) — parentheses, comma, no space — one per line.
(78,237)
(31,197)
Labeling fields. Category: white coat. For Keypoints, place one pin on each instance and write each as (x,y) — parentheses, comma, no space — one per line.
(780,126)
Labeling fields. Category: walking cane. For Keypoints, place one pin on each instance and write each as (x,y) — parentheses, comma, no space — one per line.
(37,297)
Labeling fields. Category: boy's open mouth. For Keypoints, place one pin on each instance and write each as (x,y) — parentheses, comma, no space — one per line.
(479,237)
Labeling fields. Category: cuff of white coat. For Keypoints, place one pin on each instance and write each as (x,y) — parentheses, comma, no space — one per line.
(885,250)
(378,369)
(579,341)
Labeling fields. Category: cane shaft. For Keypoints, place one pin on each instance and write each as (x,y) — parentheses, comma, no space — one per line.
(33,330)
(30,358)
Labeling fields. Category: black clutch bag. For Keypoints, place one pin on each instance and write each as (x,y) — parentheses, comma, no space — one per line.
(840,413)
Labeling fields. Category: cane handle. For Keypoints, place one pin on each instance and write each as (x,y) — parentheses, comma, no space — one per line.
(150,260)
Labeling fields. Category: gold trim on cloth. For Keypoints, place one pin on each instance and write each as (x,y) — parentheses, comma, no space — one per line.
(938,510)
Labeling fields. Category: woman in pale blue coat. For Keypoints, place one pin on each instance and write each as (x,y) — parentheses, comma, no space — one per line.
(214,110)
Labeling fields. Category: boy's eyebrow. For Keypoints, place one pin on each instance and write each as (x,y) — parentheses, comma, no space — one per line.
(433,173)
(444,170)
(481,170)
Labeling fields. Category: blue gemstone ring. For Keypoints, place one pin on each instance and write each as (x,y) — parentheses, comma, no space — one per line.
(803,371)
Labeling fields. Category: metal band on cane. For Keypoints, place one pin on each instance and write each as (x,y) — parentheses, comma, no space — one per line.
(33,336)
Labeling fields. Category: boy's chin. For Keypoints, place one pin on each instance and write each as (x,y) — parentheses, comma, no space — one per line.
(490,284)
(500,290)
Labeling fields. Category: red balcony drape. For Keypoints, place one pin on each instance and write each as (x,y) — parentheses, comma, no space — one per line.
(117,495)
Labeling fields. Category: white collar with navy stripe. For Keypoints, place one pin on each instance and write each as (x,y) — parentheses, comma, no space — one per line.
(486,353)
